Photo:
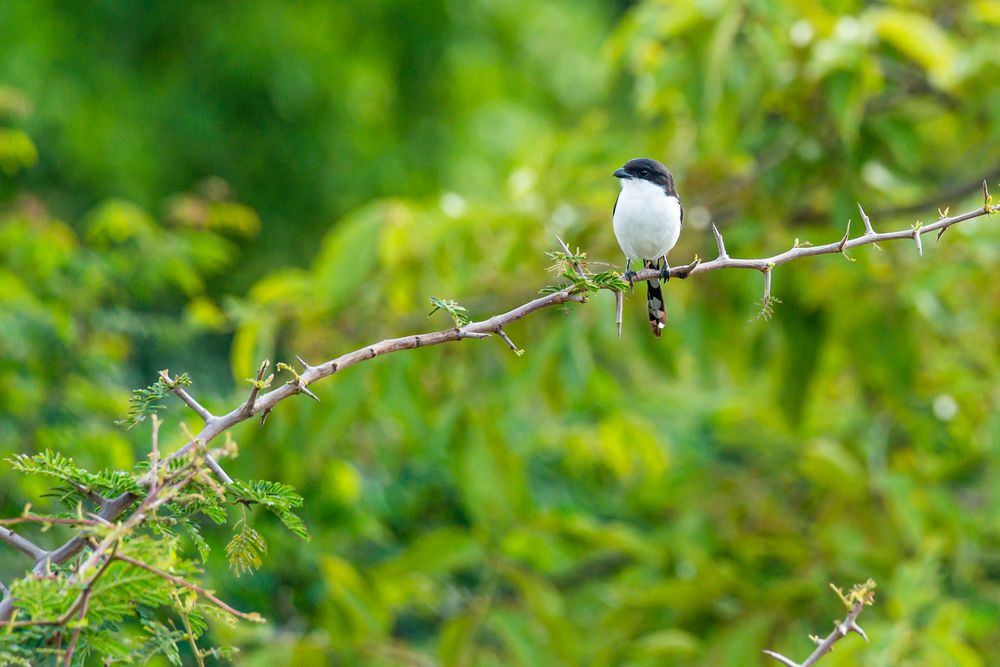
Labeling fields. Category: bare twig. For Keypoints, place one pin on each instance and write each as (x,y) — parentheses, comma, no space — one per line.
(54,520)
(154,454)
(214,466)
(202,412)
(767,301)
(186,620)
(619,299)
(188,398)
(253,616)
(505,338)
(76,631)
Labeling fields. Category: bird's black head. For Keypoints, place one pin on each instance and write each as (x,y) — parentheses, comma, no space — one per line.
(645,169)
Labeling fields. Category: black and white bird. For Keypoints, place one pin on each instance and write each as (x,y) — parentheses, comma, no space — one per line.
(647,221)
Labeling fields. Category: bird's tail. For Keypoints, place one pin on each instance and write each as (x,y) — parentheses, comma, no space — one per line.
(654,303)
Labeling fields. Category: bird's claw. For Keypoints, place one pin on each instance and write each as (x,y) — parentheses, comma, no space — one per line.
(630,278)
(665,273)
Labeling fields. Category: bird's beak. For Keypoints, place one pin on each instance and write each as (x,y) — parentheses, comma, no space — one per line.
(621,173)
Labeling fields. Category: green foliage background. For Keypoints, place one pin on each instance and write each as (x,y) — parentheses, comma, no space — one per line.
(200,186)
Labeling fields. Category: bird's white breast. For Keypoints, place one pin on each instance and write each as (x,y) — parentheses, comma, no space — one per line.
(647,221)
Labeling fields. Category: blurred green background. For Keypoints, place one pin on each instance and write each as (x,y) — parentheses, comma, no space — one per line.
(198,186)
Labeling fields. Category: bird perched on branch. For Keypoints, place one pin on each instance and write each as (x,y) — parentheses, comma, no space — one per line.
(647,221)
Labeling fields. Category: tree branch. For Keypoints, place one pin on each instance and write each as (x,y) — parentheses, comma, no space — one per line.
(187,398)
(860,596)
(262,405)
(253,616)
(202,412)
(724,261)
(81,599)
(23,544)
(52,520)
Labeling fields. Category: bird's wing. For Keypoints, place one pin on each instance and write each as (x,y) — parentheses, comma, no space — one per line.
(616,204)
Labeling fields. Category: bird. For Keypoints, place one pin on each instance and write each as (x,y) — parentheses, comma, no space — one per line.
(647,220)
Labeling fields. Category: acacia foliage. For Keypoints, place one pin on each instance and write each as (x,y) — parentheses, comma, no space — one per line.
(141,598)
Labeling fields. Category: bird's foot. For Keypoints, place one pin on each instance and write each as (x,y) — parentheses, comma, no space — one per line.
(665,272)
(630,277)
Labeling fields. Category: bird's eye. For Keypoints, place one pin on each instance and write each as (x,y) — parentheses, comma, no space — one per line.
(644,172)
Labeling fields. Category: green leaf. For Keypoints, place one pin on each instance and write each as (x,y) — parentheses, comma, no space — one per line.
(457,640)
(146,401)
(17,151)
(162,641)
(459,314)
(921,40)
(244,551)
(194,532)
(277,498)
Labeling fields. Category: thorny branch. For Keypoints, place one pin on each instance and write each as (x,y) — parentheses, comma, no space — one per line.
(798,251)
(257,404)
(860,596)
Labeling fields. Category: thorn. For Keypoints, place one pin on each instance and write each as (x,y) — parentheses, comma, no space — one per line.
(854,627)
(847,235)
(869,231)
(916,239)
(987,200)
(719,242)
(865,219)
(255,389)
(306,366)
(685,271)
(940,234)
(305,390)
(782,659)
(263,418)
